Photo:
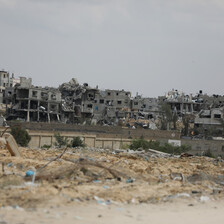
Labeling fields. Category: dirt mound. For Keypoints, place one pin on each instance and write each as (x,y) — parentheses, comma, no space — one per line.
(105,177)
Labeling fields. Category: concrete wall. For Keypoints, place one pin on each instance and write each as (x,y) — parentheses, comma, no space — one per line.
(110,141)
(99,131)
(201,146)
(38,139)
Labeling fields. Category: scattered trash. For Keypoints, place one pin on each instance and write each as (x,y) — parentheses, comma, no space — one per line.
(196,192)
(129,177)
(179,195)
(102,201)
(130,180)
(217,191)
(204,198)
(183,155)
(97,181)
(29,173)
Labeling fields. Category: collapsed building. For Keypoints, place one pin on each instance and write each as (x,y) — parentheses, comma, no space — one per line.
(74,103)
(210,118)
(33,103)
(7,83)
(78,104)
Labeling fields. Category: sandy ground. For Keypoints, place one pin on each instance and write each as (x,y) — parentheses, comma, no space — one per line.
(170,213)
(84,186)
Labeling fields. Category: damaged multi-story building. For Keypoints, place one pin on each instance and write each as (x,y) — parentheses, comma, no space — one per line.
(85,102)
(75,103)
(34,103)
(144,108)
(7,83)
(210,118)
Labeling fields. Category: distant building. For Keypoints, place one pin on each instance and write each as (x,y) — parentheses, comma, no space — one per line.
(6,82)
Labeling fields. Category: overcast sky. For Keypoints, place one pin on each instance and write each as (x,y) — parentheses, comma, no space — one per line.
(144,46)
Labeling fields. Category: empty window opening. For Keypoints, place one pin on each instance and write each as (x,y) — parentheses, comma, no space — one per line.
(217,115)
(53,96)
(34,94)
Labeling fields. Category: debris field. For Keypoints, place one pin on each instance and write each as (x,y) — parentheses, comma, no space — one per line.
(41,177)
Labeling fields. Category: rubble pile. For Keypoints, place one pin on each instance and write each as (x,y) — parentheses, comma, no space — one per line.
(39,177)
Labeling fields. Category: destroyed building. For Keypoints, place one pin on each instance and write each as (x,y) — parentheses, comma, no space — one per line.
(85,102)
(210,118)
(33,103)
(144,108)
(7,83)
(75,103)
(182,104)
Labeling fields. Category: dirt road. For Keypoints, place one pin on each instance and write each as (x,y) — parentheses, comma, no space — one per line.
(170,213)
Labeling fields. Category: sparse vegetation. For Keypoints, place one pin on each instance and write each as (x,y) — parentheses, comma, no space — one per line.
(208,153)
(77,142)
(139,143)
(125,146)
(45,146)
(21,135)
(168,148)
(60,141)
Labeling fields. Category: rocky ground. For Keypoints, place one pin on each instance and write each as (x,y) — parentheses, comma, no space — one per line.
(88,177)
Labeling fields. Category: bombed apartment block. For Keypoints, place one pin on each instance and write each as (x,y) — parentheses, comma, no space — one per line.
(111,105)
(181,103)
(71,94)
(207,118)
(6,82)
(144,108)
(33,103)
(77,101)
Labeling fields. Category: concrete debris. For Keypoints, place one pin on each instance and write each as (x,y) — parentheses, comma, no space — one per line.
(106,177)
(10,143)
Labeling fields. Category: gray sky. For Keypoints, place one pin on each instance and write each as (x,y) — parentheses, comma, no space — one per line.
(144,46)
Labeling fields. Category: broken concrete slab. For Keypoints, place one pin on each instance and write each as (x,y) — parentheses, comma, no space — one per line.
(11,145)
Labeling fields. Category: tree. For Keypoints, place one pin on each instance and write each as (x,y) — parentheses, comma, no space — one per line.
(60,140)
(21,135)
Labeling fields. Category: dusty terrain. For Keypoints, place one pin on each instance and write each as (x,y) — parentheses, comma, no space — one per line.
(104,184)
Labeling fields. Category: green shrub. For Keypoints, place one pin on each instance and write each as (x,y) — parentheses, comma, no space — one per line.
(60,140)
(45,146)
(156,145)
(208,153)
(139,143)
(125,146)
(176,150)
(77,142)
(21,135)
